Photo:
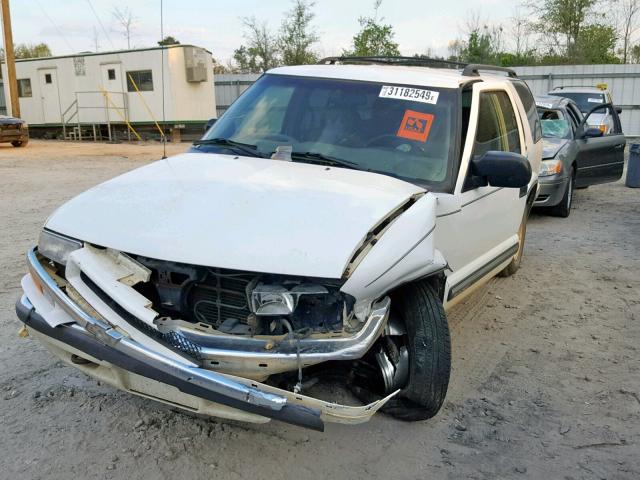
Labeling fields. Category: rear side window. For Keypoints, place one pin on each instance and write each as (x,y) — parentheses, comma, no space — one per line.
(530,106)
(497,125)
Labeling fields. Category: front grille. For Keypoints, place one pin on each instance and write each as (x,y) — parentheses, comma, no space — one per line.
(221,296)
(172,339)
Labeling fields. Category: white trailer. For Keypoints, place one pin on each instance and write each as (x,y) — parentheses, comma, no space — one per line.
(96,89)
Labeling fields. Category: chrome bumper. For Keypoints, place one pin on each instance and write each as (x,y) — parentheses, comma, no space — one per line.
(99,340)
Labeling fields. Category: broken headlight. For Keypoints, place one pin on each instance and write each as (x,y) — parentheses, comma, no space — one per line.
(57,247)
(273,300)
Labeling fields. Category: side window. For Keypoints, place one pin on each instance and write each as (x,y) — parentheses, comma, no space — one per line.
(497,125)
(530,106)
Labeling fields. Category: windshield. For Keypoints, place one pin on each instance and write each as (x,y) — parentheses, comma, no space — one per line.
(405,132)
(555,123)
(585,101)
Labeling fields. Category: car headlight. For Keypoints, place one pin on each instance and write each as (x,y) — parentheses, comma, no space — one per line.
(269,299)
(24,125)
(550,167)
(57,247)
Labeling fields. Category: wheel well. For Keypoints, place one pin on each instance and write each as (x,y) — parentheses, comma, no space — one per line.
(436,280)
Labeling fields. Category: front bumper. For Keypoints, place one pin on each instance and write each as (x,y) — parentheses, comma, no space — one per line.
(115,357)
(551,191)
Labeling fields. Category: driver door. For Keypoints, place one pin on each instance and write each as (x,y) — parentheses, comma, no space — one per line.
(482,236)
(600,159)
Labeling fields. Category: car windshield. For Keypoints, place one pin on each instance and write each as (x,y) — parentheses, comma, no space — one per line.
(585,101)
(555,123)
(403,131)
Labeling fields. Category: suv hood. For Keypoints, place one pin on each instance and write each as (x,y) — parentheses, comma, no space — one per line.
(239,213)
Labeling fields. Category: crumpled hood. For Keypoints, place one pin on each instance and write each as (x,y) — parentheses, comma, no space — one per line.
(551,146)
(236,212)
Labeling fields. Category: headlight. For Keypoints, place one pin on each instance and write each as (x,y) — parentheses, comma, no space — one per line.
(550,167)
(57,247)
(24,125)
(267,299)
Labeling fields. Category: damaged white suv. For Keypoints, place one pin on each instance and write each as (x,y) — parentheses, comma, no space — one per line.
(321,227)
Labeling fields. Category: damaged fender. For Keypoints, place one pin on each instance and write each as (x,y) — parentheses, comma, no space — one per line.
(409,242)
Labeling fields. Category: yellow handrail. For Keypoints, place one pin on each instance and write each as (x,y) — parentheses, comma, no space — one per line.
(135,85)
(106,96)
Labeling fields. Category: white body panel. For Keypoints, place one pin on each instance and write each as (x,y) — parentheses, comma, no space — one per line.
(240,213)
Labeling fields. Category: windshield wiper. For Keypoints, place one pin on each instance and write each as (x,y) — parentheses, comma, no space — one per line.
(320,158)
(243,148)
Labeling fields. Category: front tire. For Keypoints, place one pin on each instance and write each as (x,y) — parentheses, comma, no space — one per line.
(429,345)
(563,209)
(20,143)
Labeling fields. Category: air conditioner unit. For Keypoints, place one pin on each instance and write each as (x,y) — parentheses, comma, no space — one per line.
(195,62)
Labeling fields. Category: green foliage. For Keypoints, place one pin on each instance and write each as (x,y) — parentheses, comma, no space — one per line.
(30,50)
(168,40)
(373,39)
(261,52)
(297,36)
(596,44)
(478,48)
(635,53)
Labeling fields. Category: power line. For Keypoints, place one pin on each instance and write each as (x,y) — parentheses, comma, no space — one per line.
(55,26)
(104,30)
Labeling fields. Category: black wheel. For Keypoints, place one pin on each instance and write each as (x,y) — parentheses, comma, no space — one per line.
(563,209)
(19,143)
(426,350)
(514,265)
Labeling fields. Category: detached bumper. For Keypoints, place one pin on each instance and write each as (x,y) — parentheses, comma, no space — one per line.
(116,358)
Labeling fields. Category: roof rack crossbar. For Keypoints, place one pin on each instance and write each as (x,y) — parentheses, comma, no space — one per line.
(562,87)
(473,70)
(391,60)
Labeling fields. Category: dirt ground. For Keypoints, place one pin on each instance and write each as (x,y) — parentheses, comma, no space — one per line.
(545,382)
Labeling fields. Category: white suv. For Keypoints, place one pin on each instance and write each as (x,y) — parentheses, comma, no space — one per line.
(323,225)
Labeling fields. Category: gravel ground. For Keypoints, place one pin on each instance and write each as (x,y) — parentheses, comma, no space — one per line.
(545,383)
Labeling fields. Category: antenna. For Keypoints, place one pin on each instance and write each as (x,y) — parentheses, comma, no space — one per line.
(164,119)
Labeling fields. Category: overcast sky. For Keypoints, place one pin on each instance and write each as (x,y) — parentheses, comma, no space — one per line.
(67,26)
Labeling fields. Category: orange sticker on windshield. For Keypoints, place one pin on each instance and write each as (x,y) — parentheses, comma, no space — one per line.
(415,126)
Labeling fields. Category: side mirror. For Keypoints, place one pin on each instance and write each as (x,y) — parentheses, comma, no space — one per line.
(618,110)
(502,169)
(209,124)
(592,132)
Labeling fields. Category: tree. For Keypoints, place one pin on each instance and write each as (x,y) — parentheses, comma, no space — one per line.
(374,38)
(126,19)
(297,36)
(168,40)
(219,68)
(635,53)
(30,50)
(261,52)
(596,44)
(564,19)
(627,12)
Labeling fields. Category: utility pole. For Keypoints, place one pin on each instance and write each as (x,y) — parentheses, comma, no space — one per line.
(9,58)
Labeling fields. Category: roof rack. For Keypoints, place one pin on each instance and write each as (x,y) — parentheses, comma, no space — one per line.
(473,70)
(468,69)
(390,60)
(562,87)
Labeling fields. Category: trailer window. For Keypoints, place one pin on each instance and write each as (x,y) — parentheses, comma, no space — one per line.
(47,78)
(111,74)
(143,79)
(24,87)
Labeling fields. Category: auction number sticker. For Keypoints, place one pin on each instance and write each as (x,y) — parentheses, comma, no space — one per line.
(594,100)
(408,93)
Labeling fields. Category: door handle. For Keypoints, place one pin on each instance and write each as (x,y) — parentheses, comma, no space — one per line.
(619,146)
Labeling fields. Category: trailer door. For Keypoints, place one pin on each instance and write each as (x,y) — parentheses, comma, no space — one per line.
(112,82)
(49,95)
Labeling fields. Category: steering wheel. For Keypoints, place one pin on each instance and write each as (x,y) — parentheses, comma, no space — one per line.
(393,141)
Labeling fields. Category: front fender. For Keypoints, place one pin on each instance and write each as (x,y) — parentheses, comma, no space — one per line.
(405,252)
